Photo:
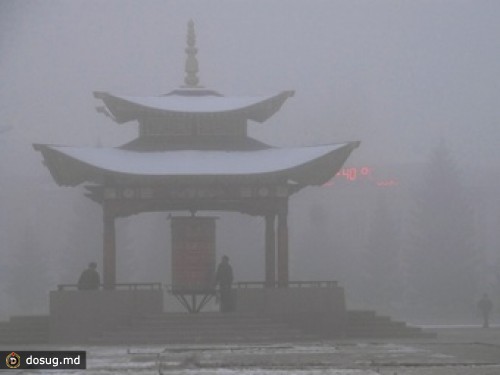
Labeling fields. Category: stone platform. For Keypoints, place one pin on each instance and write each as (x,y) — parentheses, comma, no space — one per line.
(134,314)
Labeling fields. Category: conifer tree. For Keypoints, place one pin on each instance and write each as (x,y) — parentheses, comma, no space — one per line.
(442,252)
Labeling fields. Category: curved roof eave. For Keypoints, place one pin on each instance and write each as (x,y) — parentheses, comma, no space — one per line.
(129,108)
(313,165)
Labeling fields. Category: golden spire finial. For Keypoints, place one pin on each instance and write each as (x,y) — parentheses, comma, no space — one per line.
(191,66)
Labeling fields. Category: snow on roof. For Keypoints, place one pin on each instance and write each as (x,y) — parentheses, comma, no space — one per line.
(194,162)
(200,104)
(128,108)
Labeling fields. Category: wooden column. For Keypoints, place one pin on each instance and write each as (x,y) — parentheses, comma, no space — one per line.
(270,251)
(109,249)
(283,245)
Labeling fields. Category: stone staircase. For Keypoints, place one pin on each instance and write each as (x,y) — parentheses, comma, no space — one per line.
(180,328)
(183,328)
(367,324)
(25,330)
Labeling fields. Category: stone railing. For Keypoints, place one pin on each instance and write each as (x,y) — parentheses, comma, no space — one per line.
(290,284)
(120,286)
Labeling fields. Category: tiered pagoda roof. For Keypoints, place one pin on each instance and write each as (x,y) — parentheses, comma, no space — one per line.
(193,133)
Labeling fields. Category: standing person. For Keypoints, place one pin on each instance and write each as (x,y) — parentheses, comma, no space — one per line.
(224,278)
(89,279)
(485,306)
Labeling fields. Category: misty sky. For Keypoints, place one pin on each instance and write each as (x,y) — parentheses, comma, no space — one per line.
(397,75)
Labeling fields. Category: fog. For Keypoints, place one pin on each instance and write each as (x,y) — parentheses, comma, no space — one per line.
(406,78)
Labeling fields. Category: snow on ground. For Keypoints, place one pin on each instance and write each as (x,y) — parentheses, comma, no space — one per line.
(465,351)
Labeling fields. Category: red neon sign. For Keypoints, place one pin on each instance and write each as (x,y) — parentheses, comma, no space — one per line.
(363,174)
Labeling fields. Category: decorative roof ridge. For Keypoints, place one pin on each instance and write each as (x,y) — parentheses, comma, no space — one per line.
(197,91)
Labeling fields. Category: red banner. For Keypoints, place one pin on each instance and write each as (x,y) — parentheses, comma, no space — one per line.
(193,254)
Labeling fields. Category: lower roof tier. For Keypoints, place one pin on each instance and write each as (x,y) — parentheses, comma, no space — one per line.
(313,165)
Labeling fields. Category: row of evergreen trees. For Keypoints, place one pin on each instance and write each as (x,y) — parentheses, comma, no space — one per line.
(413,251)
(434,268)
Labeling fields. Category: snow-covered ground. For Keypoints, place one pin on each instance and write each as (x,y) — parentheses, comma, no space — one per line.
(456,351)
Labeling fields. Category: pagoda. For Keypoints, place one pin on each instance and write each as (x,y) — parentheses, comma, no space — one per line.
(192,154)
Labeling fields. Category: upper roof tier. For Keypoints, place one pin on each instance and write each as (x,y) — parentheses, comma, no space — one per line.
(191,102)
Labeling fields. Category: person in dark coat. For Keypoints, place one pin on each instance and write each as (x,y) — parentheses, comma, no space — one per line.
(89,279)
(224,278)
(485,306)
